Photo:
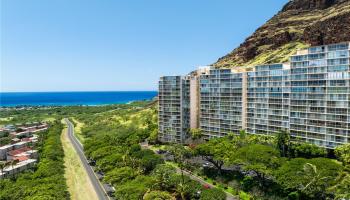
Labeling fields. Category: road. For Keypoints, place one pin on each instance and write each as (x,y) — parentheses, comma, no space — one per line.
(101,193)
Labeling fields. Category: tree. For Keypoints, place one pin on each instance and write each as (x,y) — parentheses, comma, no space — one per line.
(343,153)
(216,151)
(109,162)
(247,183)
(306,150)
(104,151)
(211,194)
(196,133)
(307,176)
(153,137)
(192,189)
(288,175)
(158,195)
(180,157)
(13,163)
(187,188)
(48,181)
(3,165)
(134,189)
(283,142)
(244,196)
(314,178)
(259,158)
(342,188)
(244,139)
(120,175)
(163,176)
(181,189)
(148,160)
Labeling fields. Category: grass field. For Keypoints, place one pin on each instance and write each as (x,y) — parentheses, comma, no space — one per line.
(79,185)
(49,119)
(5,119)
(77,130)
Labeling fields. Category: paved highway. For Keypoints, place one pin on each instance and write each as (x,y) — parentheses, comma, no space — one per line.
(101,193)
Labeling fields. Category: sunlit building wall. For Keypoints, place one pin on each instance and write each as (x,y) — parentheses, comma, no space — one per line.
(310,98)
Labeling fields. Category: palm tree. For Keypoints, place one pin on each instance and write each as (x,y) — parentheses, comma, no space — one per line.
(125,158)
(181,189)
(180,157)
(283,142)
(13,163)
(316,180)
(342,188)
(196,135)
(3,165)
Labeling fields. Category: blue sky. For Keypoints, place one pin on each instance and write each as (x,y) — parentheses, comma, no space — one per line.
(111,45)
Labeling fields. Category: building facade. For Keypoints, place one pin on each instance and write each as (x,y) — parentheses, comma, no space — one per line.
(268,99)
(221,102)
(309,97)
(173,98)
(320,94)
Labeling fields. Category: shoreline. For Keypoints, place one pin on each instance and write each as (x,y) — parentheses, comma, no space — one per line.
(64,99)
(69,105)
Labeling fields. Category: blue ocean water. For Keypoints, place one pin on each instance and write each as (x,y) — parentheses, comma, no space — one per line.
(72,98)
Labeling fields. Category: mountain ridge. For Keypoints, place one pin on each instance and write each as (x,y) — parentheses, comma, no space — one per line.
(299,24)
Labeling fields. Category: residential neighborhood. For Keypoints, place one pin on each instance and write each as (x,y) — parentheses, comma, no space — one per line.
(18,147)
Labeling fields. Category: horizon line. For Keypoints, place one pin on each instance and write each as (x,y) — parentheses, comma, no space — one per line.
(79,91)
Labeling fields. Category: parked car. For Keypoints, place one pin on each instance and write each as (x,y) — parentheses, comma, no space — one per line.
(206,164)
(92,162)
(161,151)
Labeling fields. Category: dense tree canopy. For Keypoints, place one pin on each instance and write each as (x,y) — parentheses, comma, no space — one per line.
(112,141)
(343,153)
(211,194)
(259,158)
(216,151)
(306,150)
(158,195)
(48,181)
(265,167)
(308,176)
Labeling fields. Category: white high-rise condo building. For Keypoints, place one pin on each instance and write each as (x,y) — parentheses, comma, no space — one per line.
(174,106)
(320,95)
(309,97)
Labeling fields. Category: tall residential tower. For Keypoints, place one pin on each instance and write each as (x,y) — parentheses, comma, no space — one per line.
(174,106)
(320,95)
(309,97)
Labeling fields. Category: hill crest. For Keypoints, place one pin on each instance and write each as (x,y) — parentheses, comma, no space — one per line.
(299,24)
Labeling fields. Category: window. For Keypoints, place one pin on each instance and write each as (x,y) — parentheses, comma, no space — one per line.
(338,54)
(339,61)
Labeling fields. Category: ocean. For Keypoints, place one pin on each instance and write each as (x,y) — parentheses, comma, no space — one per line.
(11,99)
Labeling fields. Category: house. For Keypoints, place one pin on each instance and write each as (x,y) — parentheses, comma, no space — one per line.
(23,165)
(4,150)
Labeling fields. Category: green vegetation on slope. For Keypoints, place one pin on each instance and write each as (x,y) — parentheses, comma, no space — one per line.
(268,55)
(279,55)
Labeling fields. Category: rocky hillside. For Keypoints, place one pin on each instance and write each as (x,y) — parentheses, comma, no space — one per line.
(299,24)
